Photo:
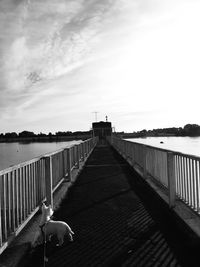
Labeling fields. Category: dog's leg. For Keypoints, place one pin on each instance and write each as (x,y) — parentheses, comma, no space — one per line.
(49,238)
(60,240)
(70,234)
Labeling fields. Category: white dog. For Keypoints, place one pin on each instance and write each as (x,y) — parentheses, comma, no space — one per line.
(50,227)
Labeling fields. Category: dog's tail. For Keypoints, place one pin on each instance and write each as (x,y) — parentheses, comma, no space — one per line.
(70,233)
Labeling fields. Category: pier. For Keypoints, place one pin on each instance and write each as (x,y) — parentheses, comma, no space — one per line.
(128,204)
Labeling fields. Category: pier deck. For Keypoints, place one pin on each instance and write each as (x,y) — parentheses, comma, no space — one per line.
(117,221)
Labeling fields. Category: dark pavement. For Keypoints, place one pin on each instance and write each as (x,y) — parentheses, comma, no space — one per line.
(117,221)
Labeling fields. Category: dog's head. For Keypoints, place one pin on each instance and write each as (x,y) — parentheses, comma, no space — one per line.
(47,212)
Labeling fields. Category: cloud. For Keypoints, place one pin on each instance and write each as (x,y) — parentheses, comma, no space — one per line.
(48,39)
(42,41)
(118,57)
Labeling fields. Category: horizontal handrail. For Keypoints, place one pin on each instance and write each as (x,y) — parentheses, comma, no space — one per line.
(177,172)
(14,167)
(164,149)
(24,186)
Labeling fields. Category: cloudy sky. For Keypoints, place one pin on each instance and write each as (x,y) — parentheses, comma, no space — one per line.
(136,61)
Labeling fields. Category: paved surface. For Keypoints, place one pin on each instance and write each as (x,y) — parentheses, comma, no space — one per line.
(117,221)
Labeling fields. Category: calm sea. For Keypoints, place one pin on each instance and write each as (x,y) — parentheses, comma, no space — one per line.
(14,153)
(186,145)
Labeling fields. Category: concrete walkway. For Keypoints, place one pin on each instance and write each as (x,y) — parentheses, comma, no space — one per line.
(117,220)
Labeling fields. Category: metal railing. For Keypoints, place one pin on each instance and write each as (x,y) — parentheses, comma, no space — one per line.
(24,186)
(177,172)
(187,173)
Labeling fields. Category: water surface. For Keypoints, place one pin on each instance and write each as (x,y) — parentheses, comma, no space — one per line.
(15,153)
(186,145)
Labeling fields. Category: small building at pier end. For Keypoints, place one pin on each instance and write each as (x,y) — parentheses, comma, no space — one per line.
(102,129)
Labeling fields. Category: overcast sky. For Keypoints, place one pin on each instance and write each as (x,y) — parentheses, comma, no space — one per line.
(136,61)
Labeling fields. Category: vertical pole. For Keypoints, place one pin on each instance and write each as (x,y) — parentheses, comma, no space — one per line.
(125,150)
(89,147)
(86,146)
(20,194)
(1,196)
(132,155)
(9,200)
(82,151)
(13,196)
(5,223)
(69,163)
(171,179)
(63,163)
(17,196)
(48,180)
(78,156)
(144,162)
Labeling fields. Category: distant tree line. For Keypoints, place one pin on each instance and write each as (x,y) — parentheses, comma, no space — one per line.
(187,130)
(28,134)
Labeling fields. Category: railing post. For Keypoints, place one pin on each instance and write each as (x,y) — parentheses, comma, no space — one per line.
(122,148)
(69,164)
(1,230)
(82,151)
(64,162)
(144,161)
(78,156)
(88,147)
(48,180)
(126,150)
(132,156)
(171,179)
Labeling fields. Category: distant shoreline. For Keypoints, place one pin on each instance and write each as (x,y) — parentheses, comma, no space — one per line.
(190,130)
(127,136)
(44,139)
